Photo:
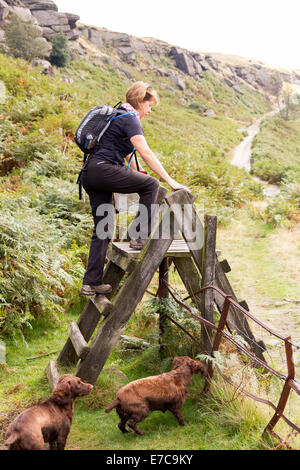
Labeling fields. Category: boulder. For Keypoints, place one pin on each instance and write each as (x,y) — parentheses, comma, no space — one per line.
(228,82)
(72,34)
(179,81)
(72,19)
(209,113)
(23,13)
(40,5)
(212,62)
(44,64)
(50,18)
(237,90)
(185,62)
(127,54)
(4,11)
(95,37)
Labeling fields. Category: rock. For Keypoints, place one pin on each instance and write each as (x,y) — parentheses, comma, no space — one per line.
(126,73)
(198,107)
(72,34)
(237,90)
(127,54)
(209,113)
(95,37)
(131,342)
(185,62)
(4,11)
(213,63)
(179,81)
(50,18)
(246,74)
(108,60)
(72,19)
(45,64)
(40,4)
(23,13)
(228,82)
(202,62)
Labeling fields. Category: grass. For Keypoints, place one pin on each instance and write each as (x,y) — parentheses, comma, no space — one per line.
(276,148)
(211,426)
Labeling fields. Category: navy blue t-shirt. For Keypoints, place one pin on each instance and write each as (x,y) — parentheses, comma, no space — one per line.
(115,143)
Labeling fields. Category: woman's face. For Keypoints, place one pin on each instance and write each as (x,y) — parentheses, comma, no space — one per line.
(145,108)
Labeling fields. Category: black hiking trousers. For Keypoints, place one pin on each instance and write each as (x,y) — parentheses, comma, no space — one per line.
(101,179)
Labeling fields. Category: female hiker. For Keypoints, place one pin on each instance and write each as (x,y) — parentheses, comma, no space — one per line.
(106,173)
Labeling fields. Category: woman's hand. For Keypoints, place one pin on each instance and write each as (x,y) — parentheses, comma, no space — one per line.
(176,186)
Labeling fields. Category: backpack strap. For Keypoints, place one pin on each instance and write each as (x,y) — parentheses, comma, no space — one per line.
(79,176)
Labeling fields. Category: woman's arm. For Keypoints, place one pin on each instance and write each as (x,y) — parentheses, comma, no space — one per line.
(140,143)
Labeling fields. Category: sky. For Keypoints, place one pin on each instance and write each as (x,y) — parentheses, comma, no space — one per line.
(265,30)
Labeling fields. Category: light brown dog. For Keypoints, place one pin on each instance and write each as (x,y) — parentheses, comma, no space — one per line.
(50,421)
(163,392)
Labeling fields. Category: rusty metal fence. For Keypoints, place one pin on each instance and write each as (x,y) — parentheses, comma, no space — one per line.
(289,380)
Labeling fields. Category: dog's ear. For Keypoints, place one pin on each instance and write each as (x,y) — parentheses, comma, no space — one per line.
(62,392)
(177,361)
(197,367)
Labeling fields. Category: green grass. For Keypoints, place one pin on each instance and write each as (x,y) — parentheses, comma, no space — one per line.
(276,148)
(212,423)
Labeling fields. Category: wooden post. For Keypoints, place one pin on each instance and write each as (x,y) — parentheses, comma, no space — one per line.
(208,270)
(163,293)
(52,374)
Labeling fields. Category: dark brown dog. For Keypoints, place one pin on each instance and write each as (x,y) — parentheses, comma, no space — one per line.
(163,392)
(50,421)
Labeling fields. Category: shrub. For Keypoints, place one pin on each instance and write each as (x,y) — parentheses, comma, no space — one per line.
(23,39)
(60,51)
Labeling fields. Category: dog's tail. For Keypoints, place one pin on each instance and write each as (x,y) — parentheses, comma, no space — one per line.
(11,440)
(115,403)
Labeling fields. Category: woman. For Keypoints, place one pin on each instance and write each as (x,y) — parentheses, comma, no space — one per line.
(106,173)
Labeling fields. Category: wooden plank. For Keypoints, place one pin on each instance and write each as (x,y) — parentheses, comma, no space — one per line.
(191,279)
(2,353)
(52,374)
(102,303)
(208,278)
(190,224)
(78,341)
(87,323)
(126,301)
(225,266)
(163,293)
(121,258)
(113,275)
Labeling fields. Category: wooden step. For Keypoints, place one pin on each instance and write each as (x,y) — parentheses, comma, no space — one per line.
(78,341)
(102,303)
(127,258)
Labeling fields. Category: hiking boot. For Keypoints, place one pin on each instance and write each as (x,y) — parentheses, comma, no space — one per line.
(138,244)
(92,290)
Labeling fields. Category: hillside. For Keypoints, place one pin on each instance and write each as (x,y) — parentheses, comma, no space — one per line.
(206,102)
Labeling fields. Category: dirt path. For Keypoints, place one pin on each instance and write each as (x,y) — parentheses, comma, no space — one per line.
(242,155)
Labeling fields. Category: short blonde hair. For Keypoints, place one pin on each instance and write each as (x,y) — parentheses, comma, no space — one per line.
(140,92)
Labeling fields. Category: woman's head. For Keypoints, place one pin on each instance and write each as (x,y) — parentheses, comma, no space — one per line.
(142,97)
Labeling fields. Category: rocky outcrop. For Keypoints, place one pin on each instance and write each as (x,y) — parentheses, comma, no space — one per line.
(44,14)
(118,49)
(185,61)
